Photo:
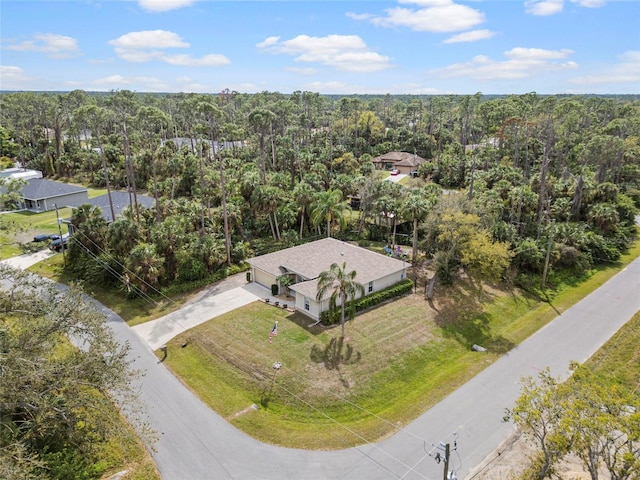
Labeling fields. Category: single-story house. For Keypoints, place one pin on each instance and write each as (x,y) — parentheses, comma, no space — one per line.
(120,201)
(41,195)
(304,263)
(403,161)
(20,173)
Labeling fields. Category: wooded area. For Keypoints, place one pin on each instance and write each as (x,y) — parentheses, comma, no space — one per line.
(522,186)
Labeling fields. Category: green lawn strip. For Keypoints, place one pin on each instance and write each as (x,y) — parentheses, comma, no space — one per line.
(96,192)
(125,452)
(132,310)
(19,228)
(618,360)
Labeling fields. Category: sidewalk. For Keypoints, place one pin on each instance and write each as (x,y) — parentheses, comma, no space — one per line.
(28,259)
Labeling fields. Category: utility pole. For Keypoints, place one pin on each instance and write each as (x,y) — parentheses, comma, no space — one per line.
(445,474)
(64,260)
(446,447)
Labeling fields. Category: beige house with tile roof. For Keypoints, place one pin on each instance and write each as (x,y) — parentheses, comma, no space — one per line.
(304,264)
(403,161)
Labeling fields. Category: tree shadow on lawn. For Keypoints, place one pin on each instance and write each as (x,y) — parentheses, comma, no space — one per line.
(334,354)
(462,318)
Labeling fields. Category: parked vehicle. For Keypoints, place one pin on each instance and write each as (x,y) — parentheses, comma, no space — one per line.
(43,237)
(58,244)
(395,171)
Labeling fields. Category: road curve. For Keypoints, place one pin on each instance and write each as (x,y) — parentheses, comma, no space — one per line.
(195,443)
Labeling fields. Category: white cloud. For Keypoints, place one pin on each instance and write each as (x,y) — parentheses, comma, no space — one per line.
(13,78)
(543,7)
(348,53)
(471,36)
(332,87)
(55,46)
(589,3)
(149,39)
(428,3)
(302,71)
(438,16)
(268,42)
(337,87)
(163,5)
(186,84)
(211,60)
(113,81)
(142,84)
(551,7)
(521,63)
(360,16)
(627,71)
(149,45)
(534,54)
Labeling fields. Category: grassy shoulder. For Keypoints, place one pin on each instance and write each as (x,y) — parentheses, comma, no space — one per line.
(397,360)
(618,360)
(132,310)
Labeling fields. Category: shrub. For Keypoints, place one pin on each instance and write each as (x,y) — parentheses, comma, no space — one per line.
(368,301)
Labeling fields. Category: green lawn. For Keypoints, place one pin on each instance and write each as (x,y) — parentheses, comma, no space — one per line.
(619,359)
(398,360)
(19,228)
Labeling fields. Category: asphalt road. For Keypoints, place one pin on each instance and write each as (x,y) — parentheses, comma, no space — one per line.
(195,443)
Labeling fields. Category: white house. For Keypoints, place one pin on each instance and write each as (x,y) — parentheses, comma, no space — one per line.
(304,264)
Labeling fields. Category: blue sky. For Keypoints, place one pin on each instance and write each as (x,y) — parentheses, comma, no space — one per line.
(339,47)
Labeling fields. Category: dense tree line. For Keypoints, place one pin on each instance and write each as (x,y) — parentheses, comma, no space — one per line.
(534,184)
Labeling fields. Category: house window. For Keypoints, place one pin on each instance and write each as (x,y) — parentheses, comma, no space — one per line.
(370,287)
(307,303)
(403,275)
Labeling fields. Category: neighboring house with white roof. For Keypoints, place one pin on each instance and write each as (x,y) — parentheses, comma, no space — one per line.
(120,200)
(304,264)
(40,195)
(21,173)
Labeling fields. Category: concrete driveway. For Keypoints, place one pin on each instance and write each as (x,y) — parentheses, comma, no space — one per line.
(28,259)
(159,331)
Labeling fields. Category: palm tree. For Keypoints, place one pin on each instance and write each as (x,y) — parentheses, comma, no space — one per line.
(417,206)
(146,265)
(302,193)
(329,207)
(342,285)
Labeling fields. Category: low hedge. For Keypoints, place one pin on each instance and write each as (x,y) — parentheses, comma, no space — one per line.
(368,301)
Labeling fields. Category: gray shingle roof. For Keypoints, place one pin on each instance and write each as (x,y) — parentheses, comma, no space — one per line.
(310,259)
(120,202)
(39,189)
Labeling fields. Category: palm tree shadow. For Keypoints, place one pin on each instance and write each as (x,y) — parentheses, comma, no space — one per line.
(334,354)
